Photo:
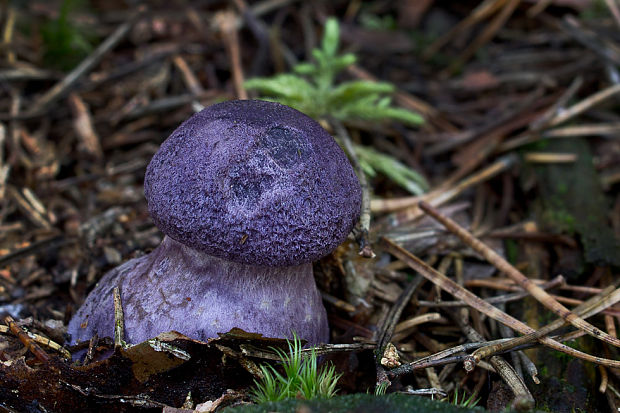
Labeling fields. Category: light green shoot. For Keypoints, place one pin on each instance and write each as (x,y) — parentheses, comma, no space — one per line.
(372,162)
(302,377)
(312,89)
(381,388)
(462,401)
(65,43)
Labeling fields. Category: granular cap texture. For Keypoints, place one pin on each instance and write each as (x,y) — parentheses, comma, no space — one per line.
(253,182)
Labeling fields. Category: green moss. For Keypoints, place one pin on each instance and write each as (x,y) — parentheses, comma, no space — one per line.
(572,201)
(544,371)
(544,408)
(560,219)
(393,403)
(562,188)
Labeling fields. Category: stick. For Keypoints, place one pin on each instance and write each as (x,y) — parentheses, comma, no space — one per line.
(226,20)
(26,340)
(119,320)
(476,302)
(362,238)
(504,266)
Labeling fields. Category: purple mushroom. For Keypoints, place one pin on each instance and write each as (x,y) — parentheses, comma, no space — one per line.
(248,193)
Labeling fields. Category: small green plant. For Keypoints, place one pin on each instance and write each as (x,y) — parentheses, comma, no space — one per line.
(302,377)
(371,21)
(381,388)
(65,43)
(462,401)
(312,89)
(373,162)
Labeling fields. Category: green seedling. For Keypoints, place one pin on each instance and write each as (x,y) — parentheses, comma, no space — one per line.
(381,388)
(302,377)
(462,401)
(65,42)
(312,88)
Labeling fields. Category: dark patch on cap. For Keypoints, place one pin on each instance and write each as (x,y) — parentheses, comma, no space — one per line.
(257,171)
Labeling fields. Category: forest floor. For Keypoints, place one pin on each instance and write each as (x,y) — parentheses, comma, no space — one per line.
(505,123)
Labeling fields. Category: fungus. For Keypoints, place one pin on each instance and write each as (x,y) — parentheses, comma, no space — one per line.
(248,194)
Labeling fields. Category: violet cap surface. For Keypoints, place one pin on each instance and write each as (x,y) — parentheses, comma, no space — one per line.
(253,182)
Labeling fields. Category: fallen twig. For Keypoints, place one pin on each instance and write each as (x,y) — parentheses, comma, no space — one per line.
(504,266)
(28,342)
(362,238)
(227,23)
(38,339)
(594,305)
(476,302)
(502,367)
(119,319)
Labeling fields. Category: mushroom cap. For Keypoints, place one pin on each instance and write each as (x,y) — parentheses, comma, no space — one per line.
(253,182)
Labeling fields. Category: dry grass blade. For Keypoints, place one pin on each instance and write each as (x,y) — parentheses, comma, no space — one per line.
(504,266)
(546,157)
(189,78)
(250,350)
(484,307)
(447,356)
(615,11)
(542,122)
(481,12)
(226,20)
(27,202)
(415,321)
(7,35)
(386,331)
(505,370)
(495,299)
(605,129)
(558,106)
(486,35)
(598,44)
(538,8)
(584,105)
(83,126)
(4,169)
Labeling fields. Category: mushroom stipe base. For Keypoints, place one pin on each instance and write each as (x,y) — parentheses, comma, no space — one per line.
(179,288)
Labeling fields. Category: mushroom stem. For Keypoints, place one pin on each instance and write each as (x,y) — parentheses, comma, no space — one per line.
(200,295)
